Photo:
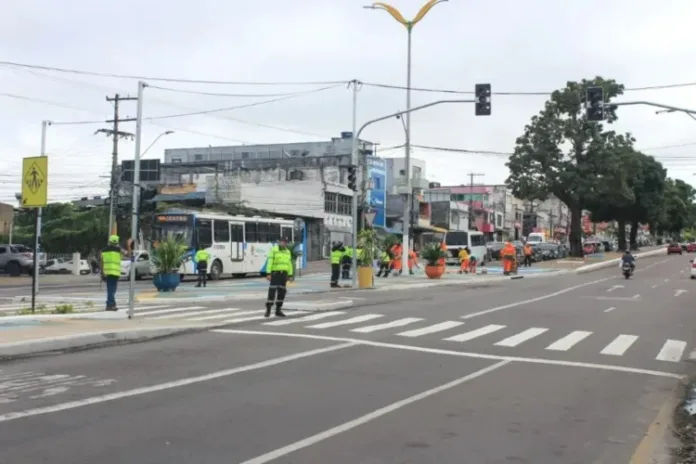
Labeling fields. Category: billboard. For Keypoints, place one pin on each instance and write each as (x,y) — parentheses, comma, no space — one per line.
(377,194)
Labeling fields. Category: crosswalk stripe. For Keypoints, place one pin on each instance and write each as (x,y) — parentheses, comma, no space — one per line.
(243,319)
(522,337)
(167,311)
(671,351)
(570,340)
(431,329)
(387,325)
(216,314)
(312,317)
(619,345)
(352,320)
(466,336)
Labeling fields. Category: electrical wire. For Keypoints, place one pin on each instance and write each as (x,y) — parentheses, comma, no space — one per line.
(164,79)
(235,95)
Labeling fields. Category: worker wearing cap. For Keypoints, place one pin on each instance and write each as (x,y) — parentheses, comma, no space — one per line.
(280,269)
(201,258)
(111,270)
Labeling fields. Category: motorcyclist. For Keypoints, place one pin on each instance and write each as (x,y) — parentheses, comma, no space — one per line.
(629,259)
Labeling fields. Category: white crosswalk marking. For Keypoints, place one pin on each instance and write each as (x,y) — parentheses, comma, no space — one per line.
(352,320)
(167,311)
(522,337)
(431,329)
(619,345)
(312,317)
(466,336)
(216,314)
(570,340)
(245,319)
(387,325)
(671,351)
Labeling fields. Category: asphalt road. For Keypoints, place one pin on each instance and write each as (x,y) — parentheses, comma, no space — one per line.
(572,369)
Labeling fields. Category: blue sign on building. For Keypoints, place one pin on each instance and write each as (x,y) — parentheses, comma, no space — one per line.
(377,195)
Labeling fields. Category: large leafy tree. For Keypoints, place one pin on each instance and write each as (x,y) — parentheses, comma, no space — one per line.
(648,188)
(677,210)
(563,154)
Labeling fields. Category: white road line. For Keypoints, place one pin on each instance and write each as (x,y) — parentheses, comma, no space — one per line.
(534,300)
(679,292)
(619,345)
(463,354)
(654,286)
(614,287)
(671,351)
(431,329)
(197,312)
(169,385)
(522,337)
(369,417)
(312,317)
(466,336)
(608,310)
(245,319)
(387,325)
(570,340)
(167,311)
(218,314)
(636,296)
(352,320)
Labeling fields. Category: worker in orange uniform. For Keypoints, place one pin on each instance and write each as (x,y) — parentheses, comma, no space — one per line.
(396,262)
(528,252)
(443,247)
(508,254)
(412,261)
(464,260)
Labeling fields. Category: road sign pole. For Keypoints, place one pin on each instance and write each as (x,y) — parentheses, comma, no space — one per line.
(37,230)
(136,196)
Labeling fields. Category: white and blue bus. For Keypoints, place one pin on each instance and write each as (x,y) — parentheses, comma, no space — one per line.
(238,245)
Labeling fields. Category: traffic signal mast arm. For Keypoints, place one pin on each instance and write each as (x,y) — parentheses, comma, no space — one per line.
(656,105)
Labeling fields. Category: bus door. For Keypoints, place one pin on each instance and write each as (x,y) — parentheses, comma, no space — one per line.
(237,241)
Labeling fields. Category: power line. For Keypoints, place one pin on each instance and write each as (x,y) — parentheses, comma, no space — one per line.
(163,79)
(234,95)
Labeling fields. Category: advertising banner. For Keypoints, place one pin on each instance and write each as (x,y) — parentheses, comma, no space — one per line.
(377,194)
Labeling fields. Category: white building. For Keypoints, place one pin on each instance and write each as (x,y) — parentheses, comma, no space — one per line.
(396,175)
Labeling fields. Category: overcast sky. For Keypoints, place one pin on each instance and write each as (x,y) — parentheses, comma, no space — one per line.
(536,45)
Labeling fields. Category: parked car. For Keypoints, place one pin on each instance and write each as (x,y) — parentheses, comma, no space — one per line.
(674,248)
(16,259)
(143,266)
(65,266)
(691,247)
(494,250)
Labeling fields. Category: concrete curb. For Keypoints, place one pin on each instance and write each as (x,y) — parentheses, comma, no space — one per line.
(317,306)
(614,262)
(91,340)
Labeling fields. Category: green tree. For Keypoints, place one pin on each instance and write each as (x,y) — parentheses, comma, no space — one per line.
(563,154)
(677,210)
(649,189)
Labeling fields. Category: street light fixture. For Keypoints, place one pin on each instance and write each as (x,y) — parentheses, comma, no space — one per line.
(674,111)
(396,14)
(155,141)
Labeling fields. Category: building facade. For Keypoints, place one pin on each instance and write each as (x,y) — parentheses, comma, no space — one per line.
(6,218)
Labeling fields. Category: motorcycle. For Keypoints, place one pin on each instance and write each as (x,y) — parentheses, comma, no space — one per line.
(627,271)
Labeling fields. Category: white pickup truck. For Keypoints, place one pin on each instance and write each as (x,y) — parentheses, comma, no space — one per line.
(143,266)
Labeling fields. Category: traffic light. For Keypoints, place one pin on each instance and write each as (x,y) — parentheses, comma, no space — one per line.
(483,99)
(352,178)
(594,103)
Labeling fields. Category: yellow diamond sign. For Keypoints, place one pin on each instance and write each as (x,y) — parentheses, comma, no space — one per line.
(35,182)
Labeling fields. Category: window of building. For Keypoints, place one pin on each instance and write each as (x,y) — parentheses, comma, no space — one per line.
(176,160)
(252,235)
(198,157)
(417,172)
(246,155)
(221,231)
(344,204)
(478,240)
(330,202)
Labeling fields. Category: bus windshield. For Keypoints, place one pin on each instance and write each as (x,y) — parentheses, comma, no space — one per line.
(458,239)
(178,227)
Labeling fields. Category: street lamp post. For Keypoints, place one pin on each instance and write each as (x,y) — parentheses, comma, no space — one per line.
(407,147)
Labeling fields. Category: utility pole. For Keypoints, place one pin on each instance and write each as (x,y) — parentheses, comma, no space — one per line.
(472,175)
(116,135)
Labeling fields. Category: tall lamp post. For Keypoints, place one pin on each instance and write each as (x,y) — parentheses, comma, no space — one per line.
(409,190)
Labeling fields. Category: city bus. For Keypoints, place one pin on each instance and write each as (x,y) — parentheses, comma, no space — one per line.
(238,245)
(456,240)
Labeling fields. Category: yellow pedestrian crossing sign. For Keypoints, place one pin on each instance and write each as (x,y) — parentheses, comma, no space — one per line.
(35,182)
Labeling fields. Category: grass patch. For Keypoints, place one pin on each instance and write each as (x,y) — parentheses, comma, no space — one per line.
(43,309)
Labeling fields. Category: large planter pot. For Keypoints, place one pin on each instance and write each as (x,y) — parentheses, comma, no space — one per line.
(434,271)
(166,282)
(366,277)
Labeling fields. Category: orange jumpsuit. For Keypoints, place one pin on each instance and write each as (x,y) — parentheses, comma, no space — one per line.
(412,260)
(508,255)
(443,247)
(396,262)
(464,262)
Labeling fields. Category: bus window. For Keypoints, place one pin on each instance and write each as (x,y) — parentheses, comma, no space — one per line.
(460,239)
(478,241)
(286,232)
(263,232)
(252,234)
(273,233)
(221,231)
(204,234)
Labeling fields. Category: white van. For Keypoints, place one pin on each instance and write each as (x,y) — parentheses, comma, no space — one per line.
(456,240)
(536,237)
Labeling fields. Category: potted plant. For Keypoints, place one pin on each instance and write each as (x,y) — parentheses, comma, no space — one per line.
(167,258)
(432,254)
(367,240)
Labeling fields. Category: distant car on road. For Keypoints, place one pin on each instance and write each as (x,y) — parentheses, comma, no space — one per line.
(15,259)
(674,248)
(691,247)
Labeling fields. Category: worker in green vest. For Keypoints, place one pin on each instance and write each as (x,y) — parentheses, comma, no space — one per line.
(111,270)
(384,264)
(346,262)
(201,258)
(280,269)
(337,253)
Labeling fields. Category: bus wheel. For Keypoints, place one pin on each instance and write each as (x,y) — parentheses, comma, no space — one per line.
(216,270)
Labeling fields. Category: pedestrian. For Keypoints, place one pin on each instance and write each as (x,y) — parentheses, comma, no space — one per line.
(528,252)
(346,262)
(280,270)
(201,259)
(336,258)
(509,255)
(384,264)
(111,270)
(464,260)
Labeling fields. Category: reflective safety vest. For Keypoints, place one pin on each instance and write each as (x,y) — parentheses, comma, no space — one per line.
(279,260)
(336,256)
(360,254)
(202,256)
(385,257)
(111,260)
